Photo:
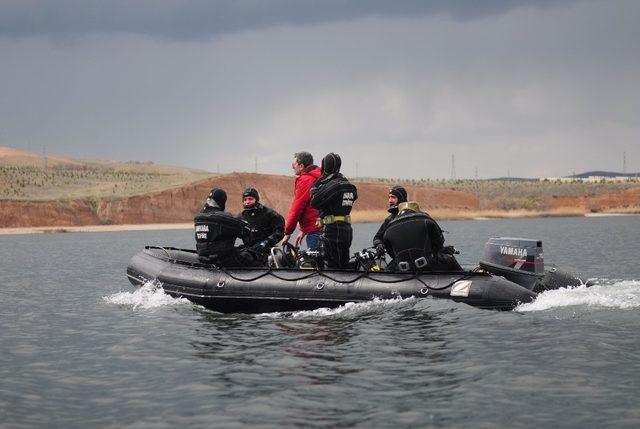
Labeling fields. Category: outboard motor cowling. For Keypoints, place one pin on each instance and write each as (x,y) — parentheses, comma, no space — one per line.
(521,254)
(521,260)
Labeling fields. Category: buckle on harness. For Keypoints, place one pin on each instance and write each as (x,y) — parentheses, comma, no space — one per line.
(421,262)
(327,220)
(404,266)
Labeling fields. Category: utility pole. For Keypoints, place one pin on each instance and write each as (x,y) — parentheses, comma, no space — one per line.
(44,156)
(624,162)
(476,175)
(453,167)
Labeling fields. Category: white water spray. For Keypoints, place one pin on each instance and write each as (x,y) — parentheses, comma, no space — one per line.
(149,295)
(623,294)
(350,309)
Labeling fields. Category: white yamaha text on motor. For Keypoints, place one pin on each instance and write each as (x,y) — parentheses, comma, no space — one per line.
(513,251)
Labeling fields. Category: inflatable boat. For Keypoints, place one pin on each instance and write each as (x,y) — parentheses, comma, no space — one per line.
(511,272)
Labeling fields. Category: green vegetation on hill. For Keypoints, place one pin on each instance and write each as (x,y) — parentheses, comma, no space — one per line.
(33,183)
(29,176)
(514,194)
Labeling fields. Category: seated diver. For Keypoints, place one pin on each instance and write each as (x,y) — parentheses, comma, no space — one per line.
(216,233)
(267,225)
(397,195)
(415,242)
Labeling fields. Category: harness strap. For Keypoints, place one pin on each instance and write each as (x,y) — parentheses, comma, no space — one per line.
(333,219)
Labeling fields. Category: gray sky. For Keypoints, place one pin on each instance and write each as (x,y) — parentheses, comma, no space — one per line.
(526,88)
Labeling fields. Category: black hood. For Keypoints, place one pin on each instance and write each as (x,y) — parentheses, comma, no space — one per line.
(216,198)
(331,164)
(400,193)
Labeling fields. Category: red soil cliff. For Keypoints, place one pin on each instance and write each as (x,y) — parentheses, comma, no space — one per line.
(180,204)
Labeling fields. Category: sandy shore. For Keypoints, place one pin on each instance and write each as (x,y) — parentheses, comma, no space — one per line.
(96,228)
(372,216)
(611,214)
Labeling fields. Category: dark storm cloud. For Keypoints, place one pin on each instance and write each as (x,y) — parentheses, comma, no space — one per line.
(188,19)
(506,87)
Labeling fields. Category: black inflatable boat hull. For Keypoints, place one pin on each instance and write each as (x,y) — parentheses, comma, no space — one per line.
(261,290)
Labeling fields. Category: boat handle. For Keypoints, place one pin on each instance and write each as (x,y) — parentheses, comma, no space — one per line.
(320,286)
(424,290)
(221,283)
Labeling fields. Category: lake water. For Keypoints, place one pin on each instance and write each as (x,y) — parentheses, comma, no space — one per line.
(81,347)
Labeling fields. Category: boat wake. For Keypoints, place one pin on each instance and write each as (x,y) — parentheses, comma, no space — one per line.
(621,294)
(348,310)
(150,295)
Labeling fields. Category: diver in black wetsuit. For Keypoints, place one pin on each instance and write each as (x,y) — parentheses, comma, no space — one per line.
(333,195)
(397,195)
(267,225)
(216,233)
(415,241)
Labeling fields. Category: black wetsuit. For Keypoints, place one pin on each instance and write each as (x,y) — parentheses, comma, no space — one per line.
(267,230)
(415,236)
(378,238)
(334,195)
(216,233)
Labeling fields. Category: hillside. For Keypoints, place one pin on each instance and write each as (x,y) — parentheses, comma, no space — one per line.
(10,157)
(71,192)
(23,176)
(179,204)
(533,195)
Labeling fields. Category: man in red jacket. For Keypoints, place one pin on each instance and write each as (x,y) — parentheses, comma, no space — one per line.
(301,211)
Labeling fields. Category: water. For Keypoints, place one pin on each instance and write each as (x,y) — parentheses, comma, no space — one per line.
(80,347)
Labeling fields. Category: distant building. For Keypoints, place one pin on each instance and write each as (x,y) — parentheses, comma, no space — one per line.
(591,179)
(561,179)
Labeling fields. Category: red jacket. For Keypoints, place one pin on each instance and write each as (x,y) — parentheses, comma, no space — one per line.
(301,211)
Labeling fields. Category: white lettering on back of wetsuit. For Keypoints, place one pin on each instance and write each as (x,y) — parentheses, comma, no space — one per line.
(347,199)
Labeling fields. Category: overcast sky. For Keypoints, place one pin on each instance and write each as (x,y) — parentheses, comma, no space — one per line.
(519,88)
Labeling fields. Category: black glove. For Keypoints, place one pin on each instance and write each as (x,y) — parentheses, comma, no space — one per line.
(380,250)
(450,250)
(260,247)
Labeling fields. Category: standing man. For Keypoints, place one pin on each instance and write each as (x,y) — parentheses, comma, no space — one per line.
(333,195)
(266,224)
(301,211)
(397,195)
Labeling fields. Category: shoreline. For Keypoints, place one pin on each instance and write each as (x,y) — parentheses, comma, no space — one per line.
(372,217)
(95,228)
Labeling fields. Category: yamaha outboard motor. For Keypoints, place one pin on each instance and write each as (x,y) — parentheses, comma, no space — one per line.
(521,260)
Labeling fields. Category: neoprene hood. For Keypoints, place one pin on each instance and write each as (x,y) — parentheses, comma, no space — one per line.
(331,164)
(217,198)
(251,192)
(400,193)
